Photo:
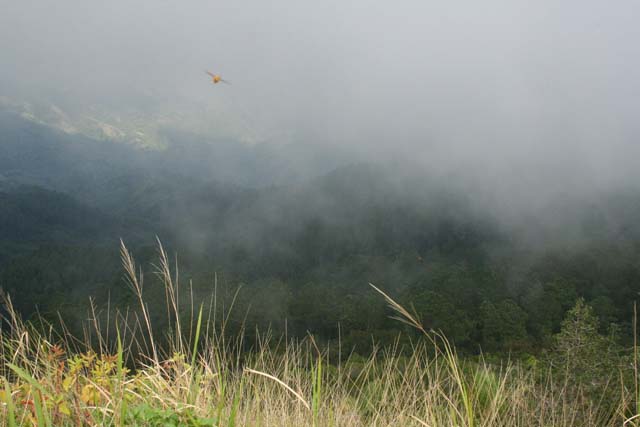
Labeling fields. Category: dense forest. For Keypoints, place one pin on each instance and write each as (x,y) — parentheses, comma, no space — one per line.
(302,251)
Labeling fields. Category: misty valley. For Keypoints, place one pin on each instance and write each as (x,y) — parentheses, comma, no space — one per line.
(302,253)
(294,256)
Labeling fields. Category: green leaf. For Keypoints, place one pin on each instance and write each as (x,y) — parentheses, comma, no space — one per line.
(11,420)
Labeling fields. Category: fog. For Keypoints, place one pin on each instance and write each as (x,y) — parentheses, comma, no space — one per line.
(517,96)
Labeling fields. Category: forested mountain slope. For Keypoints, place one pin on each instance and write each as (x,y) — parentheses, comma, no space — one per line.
(306,249)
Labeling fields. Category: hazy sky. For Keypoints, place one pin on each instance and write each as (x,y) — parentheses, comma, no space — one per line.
(490,86)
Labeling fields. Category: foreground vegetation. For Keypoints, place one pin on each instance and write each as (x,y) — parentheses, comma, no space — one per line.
(122,372)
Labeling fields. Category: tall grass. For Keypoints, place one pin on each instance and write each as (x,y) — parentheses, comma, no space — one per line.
(203,377)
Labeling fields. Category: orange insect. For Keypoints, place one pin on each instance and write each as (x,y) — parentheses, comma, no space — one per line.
(215,78)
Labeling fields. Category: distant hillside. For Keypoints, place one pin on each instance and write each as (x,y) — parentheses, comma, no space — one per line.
(39,155)
(304,245)
(35,152)
(31,215)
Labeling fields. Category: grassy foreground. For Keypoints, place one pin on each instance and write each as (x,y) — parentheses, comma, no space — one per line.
(119,375)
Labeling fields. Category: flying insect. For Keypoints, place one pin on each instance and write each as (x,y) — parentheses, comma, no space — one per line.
(215,78)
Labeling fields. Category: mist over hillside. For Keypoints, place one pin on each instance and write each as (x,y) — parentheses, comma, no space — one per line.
(303,246)
(466,158)
(196,188)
